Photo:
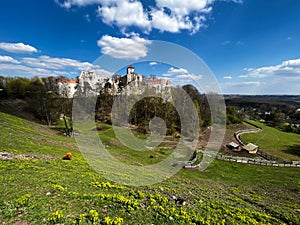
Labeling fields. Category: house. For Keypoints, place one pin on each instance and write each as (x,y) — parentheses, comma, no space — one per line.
(251,148)
(66,87)
(234,146)
(159,84)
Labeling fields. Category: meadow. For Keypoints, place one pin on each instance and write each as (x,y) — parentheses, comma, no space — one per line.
(41,188)
(280,144)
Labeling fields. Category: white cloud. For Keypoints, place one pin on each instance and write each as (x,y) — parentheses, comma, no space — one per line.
(7,59)
(124,13)
(173,23)
(181,76)
(283,78)
(227,77)
(153,63)
(176,72)
(46,66)
(124,48)
(23,70)
(56,63)
(17,48)
(164,15)
(246,83)
(183,8)
(69,3)
(286,68)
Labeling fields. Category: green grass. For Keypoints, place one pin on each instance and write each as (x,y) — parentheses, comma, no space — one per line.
(48,190)
(277,143)
(129,156)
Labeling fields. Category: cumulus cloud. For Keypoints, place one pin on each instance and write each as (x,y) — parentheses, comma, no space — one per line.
(164,15)
(17,48)
(183,8)
(134,47)
(173,23)
(124,13)
(7,59)
(286,68)
(227,77)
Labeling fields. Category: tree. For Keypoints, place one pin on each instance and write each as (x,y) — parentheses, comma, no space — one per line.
(43,100)
(275,118)
(232,115)
(18,87)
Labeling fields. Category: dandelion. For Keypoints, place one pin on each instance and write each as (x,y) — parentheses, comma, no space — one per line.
(94,216)
(56,217)
(23,200)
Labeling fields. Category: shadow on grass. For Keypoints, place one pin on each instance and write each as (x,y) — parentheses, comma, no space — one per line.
(293,150)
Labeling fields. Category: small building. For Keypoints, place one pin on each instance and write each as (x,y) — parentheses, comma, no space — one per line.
(251,148)
(66,87)
(234,146)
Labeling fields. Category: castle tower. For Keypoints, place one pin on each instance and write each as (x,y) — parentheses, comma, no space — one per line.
(130,73)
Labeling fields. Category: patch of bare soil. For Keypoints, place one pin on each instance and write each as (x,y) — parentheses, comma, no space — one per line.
(229,137)
(11,156)
(21,223)
(204,137)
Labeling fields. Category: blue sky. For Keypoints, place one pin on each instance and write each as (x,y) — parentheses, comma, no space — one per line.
(252,46)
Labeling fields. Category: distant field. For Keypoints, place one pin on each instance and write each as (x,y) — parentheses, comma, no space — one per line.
(48,190)
(277,143)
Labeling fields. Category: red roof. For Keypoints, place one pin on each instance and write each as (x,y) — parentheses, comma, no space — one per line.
(131,67)
(65,80)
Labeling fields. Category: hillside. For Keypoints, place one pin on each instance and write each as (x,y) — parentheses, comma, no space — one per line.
(283,145)
(38,187)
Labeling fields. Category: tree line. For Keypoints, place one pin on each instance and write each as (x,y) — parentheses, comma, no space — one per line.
(40,94)
(44,102)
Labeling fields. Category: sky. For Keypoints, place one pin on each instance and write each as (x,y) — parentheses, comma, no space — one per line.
(251,46)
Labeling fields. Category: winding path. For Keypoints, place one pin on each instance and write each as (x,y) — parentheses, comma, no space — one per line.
(263,162)
(238,133)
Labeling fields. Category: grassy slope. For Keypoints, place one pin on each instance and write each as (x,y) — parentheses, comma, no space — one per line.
(277,143)
(226,193)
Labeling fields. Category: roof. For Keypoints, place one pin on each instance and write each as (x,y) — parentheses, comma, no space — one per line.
(250,147)
(65,80)
(130,67)
(233,144)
